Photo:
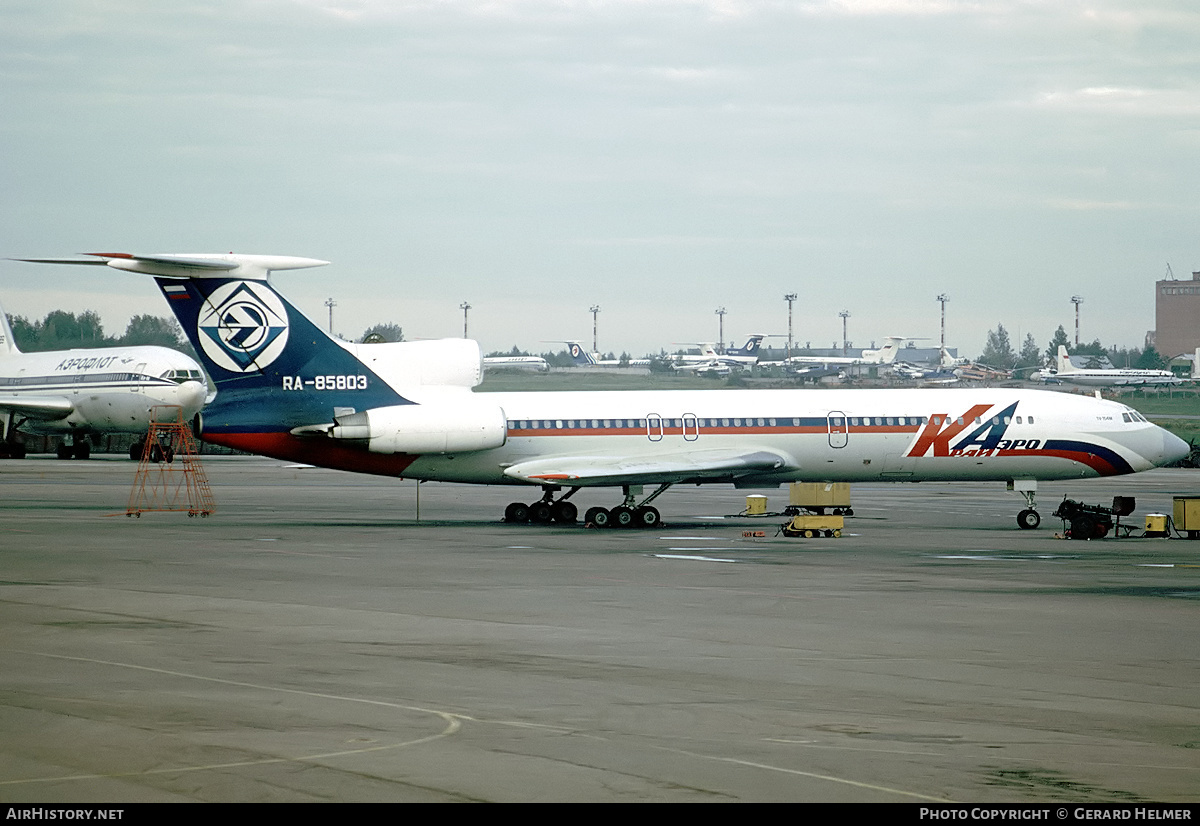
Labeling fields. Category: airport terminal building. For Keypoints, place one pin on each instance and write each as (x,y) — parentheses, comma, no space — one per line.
(1176,317)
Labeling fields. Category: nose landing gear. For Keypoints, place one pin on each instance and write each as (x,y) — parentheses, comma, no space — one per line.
(1029,518)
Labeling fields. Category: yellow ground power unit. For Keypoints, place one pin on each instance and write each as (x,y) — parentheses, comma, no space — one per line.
(1156,524)
(756,505)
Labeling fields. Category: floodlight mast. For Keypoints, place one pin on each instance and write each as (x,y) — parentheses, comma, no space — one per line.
(789,298)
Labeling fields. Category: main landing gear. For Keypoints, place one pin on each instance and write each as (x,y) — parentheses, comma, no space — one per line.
(546,510)
(73,447)
(629,514)
(1029,518)
(10,448)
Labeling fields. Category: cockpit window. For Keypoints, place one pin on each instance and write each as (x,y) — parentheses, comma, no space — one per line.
(180,376)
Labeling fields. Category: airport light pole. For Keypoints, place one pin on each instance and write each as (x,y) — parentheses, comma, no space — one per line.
(844,314)
(789,298)
(330,303)
(595,311)
(1077,300)
(464,307)
(942,299)
(720,311)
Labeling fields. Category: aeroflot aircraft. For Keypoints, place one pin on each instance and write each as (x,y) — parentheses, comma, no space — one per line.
(1126,377)
(286,389)
(80,393)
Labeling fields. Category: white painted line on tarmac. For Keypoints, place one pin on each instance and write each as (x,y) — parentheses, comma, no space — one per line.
(693,557)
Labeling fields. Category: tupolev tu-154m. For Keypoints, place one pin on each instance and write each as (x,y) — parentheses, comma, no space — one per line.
(288,390)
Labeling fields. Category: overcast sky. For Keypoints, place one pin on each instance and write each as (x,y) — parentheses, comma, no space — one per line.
(660,158)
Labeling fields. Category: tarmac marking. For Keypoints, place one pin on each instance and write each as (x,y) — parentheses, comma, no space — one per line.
(694,557)
(453,725)
(798,773)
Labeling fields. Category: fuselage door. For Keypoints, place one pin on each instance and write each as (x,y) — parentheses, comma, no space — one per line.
(138,372)
(839,429)
(691,427)
(654,427)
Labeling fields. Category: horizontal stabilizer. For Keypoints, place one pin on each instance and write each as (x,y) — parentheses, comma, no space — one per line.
(191,265)
(632,470)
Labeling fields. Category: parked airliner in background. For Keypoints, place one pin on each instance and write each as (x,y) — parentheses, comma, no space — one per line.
(884,355)
(583,358)
(1095,377)
(286,389)
(535,363)
(708,360)
(87,393)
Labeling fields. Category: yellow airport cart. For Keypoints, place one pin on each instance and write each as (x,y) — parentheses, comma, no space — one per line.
(810,526)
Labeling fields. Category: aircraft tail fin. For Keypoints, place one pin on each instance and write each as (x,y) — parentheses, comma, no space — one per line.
(579,355)
(1064,361)
(251,338)
(750,348)
(888,352)
(8,345)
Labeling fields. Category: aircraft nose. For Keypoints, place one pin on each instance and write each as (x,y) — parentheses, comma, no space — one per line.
(192,394)
(1174,448)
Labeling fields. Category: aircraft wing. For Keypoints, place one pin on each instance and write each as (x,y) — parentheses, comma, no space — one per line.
(37,407)
(658,468)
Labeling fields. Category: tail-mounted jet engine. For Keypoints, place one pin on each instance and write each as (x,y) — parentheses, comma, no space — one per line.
(424,428)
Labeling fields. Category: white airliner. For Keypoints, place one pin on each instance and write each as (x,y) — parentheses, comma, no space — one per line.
(82,393)
(582,358)
(288,390)
(1094,377)
(708,360)
(884,355)
(535,363)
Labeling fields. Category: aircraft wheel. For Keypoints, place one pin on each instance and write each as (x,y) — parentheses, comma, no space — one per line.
(516,512)
(64,451)
(541,513)
(1028,519)
(565,513)
(156,454)
(83,450)
(621,517)
(136,449)
(598,517)
(647,517)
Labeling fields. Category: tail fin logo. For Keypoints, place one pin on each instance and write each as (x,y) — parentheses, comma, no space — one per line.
(243,327)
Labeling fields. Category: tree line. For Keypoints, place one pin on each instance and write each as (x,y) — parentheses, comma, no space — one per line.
(998,352)
(62,330)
